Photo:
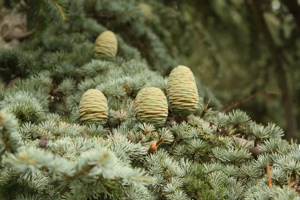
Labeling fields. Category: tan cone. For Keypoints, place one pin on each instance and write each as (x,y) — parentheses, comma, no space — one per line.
(106,45)
(182,91)
(93,107)
(151,106)
(146,10)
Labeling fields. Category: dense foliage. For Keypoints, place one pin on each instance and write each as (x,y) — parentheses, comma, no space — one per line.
(48,152)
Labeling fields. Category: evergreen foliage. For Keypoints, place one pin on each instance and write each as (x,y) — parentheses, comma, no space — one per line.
(47,152)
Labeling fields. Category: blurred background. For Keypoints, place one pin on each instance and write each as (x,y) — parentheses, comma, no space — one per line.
(247,54)
(244,53)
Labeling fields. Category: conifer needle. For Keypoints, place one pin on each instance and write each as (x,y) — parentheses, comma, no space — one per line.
(60,10)
(269,175)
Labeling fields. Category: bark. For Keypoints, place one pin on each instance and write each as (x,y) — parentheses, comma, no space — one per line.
(277,60)
(249,144)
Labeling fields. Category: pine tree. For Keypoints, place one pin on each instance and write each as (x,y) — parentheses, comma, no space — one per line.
(74,123)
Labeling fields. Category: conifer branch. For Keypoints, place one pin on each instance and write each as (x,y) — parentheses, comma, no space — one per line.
(249,144)
(269,175)
(60,10)
(203,154)
(236,104)
(9,137)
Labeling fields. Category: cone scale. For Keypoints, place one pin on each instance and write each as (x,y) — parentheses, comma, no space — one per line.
(151,106)
(106,45)
(93,107)
(182,91)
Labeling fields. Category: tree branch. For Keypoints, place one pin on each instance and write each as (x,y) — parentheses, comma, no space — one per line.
(236,104)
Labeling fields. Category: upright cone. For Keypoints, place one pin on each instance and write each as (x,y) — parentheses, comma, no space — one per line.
(93,107)
(151,106)
(106,45)
(147,10)
(182,91)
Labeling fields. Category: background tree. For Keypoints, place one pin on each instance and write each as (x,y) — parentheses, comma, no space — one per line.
(254,44)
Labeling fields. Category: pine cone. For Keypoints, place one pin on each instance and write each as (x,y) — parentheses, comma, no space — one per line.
(146,9)
(182,91)
(151,106)
(93,107)
(106,45)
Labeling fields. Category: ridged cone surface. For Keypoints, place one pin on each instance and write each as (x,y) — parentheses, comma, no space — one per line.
(93,107)
(151,106)
(147,10)
(182,91)
(106,44)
